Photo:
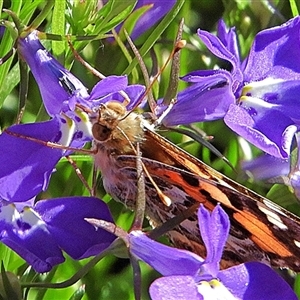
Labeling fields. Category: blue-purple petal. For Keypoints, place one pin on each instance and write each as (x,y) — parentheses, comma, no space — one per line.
(274,53)
(28,164)
(260,130)
(57,85)
(214,230)
(174,288)
(152,16)
(273,94)
(164,259)
(108,85)
(65,221)
(216,46)
(134,93)
(257,281)
(206,100)
(33,242)
(266,167)
(229,39)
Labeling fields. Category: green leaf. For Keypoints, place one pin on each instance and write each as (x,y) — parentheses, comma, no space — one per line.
(116,12)
(110,15)
(11,260)
(126,53)
(58,26)
(294,8)
(29,8)
(297,286)
(82,15)
(79,293)
(282,195)
(11,81)
(10,287)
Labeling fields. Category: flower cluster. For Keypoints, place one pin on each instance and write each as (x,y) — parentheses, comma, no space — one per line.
(39,232)
(188,276)
(255,94)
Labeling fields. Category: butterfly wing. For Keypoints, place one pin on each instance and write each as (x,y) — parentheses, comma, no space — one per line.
(260,229)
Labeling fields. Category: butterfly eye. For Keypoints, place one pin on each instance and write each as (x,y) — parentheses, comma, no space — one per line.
(100,132)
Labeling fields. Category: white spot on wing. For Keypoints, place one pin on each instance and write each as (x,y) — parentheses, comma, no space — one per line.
(273,217)
(274,206)
(297,243)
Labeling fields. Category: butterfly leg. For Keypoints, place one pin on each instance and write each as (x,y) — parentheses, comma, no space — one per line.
(80,176)
(49,144)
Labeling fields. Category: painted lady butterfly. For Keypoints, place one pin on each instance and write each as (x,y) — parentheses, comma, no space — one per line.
(260,229)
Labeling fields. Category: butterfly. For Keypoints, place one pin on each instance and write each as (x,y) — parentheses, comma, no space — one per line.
(260,229)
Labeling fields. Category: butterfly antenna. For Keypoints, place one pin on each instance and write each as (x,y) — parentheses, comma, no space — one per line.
(82,61)
(87,110)
(151,101)
(179,44)
(61,147)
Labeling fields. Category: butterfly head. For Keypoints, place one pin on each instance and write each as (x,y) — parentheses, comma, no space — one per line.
(106,119)
(113,126)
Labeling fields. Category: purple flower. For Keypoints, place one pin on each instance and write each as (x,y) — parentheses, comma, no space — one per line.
(152,12)
(39,233)
(276,170)
(207,99)
(258,97)
(57,85)
(59,88)
(266,167)
(188,276)
(157,10)
(30,163)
